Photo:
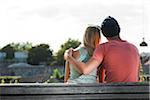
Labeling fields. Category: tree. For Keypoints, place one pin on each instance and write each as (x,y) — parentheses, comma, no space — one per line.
(21,46)
(9,50)
(40,54)
(68,44)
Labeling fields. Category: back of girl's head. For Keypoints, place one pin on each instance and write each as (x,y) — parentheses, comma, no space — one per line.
(91,38)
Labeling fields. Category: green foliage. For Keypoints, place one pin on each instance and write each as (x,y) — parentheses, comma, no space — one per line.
(40,54)
(56,74)
(57,77)
(68,44)
(9,50)
(21,46)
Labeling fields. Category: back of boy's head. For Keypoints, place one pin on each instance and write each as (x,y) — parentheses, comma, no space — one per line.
(110,27)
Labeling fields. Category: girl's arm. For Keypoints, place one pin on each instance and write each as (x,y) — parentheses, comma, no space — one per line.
(67,72)
(76,55)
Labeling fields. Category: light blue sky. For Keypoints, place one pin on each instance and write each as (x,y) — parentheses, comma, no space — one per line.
(54,21)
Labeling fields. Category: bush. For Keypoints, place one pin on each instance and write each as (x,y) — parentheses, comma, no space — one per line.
(40,54)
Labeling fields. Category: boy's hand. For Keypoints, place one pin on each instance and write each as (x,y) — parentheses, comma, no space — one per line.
(68,54)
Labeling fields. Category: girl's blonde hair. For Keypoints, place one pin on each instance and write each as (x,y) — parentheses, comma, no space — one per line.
(91,38)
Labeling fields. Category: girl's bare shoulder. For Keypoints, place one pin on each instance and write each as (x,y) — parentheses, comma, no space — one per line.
(76,53)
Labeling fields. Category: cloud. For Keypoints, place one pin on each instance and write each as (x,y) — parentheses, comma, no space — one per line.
(46,12)
(22,20)
(85,11)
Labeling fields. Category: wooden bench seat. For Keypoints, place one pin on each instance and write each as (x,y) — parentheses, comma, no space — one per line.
(61,91)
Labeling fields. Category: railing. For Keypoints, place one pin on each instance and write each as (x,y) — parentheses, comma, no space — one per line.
(146,77)
(9,79)
(61,91)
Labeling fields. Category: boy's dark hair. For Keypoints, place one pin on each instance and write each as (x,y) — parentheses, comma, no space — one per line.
(110,27)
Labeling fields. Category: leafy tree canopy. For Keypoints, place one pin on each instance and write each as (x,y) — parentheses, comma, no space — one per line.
(21,46)
(9,50)
(40,54)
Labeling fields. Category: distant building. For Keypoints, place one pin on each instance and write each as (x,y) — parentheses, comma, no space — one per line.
(21,56)
(2,56)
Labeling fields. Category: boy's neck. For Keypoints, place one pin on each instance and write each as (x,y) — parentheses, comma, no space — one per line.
(114,38)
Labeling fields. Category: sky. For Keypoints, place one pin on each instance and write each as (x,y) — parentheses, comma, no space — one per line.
(54,21)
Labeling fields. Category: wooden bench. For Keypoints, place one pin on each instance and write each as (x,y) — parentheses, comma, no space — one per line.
(61,91)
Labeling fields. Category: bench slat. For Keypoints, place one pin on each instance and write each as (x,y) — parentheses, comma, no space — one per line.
(79,97)
(133,91)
